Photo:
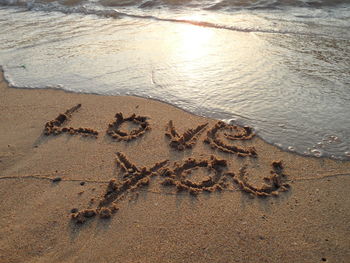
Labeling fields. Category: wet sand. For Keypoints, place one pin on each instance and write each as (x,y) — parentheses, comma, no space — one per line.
(91,186)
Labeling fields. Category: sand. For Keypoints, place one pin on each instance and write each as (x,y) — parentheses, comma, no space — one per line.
(157,186)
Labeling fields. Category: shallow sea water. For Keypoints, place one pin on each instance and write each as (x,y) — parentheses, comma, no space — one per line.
(282,67)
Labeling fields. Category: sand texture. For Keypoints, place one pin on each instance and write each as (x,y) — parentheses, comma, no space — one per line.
(88,178)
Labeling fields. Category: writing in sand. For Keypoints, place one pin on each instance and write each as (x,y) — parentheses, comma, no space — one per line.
(178,175)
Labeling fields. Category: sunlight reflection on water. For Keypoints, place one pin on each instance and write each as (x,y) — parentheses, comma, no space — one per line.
(289,87)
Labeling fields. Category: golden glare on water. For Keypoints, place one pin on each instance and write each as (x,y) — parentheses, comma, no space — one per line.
(194,41)
(192,51)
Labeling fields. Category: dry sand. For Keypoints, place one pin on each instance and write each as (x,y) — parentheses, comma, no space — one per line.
(306,222)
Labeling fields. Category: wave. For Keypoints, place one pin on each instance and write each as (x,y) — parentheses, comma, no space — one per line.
(273,4)
(117,14)
(204,4)
(140,9)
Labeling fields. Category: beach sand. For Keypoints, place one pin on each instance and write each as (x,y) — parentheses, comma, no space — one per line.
(42,178)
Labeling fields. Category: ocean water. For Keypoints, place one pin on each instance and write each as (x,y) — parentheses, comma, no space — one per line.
(282,67)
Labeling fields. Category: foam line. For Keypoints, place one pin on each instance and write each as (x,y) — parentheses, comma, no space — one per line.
(114,13)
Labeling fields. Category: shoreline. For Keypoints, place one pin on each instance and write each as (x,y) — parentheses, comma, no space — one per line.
(282,148)
(307,222)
